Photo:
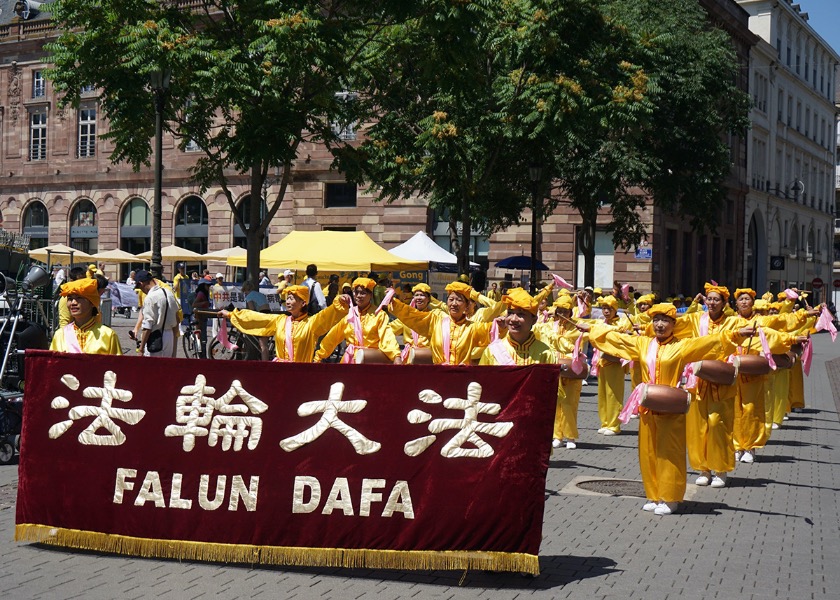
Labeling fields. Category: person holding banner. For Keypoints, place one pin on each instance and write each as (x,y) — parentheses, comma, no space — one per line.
(296,334)
(452,337)
(519,346)
(366,327)
(662,433)
(85,334)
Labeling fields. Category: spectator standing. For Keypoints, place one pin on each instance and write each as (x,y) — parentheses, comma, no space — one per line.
(316,294)
(332,289)
(494,294)
(160,313)
(264,280)
(286,280)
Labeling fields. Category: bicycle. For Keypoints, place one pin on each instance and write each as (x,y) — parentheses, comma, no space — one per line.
(242,343)
(191,340)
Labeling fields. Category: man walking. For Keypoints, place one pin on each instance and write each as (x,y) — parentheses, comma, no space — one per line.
(160,314)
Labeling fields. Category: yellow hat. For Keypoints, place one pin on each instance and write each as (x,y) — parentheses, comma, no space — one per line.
(768,296)
(300,291)
(608,301)
(782,296)
(741,291)
(422,287)
(780,306)
(663,308)
(645,299)
(563,292)
(720,289)
(597,291)
(460,288)
(519,298)
(364,282)
(86,288)
(761,304)
(564,301)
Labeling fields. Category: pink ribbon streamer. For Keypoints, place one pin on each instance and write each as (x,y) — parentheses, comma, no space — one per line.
(807,357)
(560,282)
(791,295)
(578,359)
(704,324)
(632,406)
(494,332)
(386,300)
(765,347)
(826,323)
(689,377)
(625,292)
(596,358)
(355,320)
(582,312)
(223,338)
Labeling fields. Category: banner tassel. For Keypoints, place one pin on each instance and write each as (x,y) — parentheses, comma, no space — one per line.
(279,555)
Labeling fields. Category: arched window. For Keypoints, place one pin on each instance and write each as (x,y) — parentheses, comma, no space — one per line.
(84,232)
(36,223)
(191,225)
(135,229)
(244,210)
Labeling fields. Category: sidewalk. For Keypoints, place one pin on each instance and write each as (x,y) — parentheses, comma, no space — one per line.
(774,532)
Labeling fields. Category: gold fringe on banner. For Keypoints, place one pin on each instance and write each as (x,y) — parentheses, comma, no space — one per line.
(279,555)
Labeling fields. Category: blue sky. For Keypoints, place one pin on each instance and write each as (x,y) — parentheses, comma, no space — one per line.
(824,17)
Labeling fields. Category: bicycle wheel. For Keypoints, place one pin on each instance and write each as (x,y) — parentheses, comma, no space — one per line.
(219,352)
(7,452)
(188,343)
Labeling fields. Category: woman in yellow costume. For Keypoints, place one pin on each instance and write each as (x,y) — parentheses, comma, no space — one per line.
(610,371)
(662,437)
(711,414)
(749,432)
(296,334)
(84,334)
(422,299)
(640,320)
(363,328)
(520,346)
(452,337)
(561,334)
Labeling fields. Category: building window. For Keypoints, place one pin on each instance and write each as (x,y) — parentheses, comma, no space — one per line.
(87,132)
(87,89)
(39,85)
(191,225)
(244,210)
(38,135)
(345,128)
(135,232)
(84,232)
(340,195)
(36,223)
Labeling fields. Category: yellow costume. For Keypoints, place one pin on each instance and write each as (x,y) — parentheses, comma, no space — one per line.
(531,352)
(305,329)
(611,378)
(375,334)
(662,437)
(93,337)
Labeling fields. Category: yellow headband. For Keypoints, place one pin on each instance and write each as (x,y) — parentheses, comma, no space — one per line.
(299,291)
(749,291)
(663,308)
(608,301)
(645,299)
(519,298)
(364,282)
(564,301)
(86,288)
(761,304)
(460,288)
(422,287)
(720,289)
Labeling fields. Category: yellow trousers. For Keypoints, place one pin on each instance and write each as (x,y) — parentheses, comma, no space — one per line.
(778,388)
(662,455)
(709,424)
(749,431)
(610,395)
(565,415)
(796,391)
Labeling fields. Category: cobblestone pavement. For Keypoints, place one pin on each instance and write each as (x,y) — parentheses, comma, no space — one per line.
(773,533)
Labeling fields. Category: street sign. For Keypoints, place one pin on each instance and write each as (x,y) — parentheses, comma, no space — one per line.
(644,253)
(777,263)
(817,283)
(837,283)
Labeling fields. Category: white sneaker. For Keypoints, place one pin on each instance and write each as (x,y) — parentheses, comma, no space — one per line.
(634,416)
(749,457)
(738,455)
(555,443)
(570,445)
(602,430)
(665,508)
(719,480)
(650,506)
(775,426)
(584,382)
(610,432)
(786,418)
(702,478)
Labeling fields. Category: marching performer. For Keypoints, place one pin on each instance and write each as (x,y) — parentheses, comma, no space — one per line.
(85,334)
(452,337)
(296,334)
(610,371)
(363,328)
(662,436)
(520,346)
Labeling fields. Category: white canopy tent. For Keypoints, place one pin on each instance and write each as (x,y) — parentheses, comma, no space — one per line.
(421,247)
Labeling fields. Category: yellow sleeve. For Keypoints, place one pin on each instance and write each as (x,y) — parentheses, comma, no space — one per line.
(416,320)
(387,341)
(493,309)
(324,320)
(622,345)
(333,338)
(254,323)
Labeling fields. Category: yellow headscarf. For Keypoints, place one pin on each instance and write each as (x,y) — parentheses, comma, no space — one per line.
(519,298)
(86,288)
(761,304)
(364,282)
(608,301)
(422,287)
(749,291)
(301,291)
(460,288)
(645,299)
(663,308)
(768,296)
(720,289)
(564,301)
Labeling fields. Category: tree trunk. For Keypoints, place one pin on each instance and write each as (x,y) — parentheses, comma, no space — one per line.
(586,243)
(464,250)
(255,228)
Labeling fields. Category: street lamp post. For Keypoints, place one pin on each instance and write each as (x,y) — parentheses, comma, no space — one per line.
(160,87)
(535,174)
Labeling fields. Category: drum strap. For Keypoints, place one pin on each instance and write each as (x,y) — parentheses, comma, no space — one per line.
(500,353)
(290,347)
(447,340)
(704,324)
(632,406)
(72,340)
(765,347)
(355,320)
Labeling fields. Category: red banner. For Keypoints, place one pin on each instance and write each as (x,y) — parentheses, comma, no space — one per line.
(421,467)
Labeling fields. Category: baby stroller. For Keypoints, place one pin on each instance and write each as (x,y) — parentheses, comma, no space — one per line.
(11,416)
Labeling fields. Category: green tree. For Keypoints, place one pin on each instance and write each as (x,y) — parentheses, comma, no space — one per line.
(251,80)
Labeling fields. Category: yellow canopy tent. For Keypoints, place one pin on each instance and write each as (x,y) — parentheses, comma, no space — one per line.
(330,251)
